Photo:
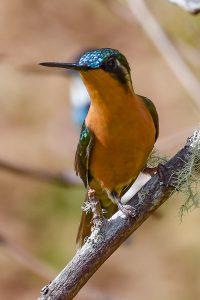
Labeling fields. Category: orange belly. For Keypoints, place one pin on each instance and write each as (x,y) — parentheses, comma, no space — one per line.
(114,166)
(122,144)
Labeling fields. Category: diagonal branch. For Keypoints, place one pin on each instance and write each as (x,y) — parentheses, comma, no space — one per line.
(117,229)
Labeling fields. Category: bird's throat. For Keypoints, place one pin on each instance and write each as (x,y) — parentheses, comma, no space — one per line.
(108,95)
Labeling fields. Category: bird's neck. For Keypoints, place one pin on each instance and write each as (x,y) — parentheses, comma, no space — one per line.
(111,105)
(113,111)
(108,96)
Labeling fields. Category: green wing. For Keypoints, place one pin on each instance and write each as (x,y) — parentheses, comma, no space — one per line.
(152,109)
(83,153)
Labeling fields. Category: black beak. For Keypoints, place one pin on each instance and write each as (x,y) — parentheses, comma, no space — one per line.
(74,66)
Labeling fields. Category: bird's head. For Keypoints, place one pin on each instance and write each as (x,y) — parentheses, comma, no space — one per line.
(101,69)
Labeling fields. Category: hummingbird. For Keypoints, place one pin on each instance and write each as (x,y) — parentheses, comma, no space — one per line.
(117,136)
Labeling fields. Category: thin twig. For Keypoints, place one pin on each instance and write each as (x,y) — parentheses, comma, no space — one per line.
(117,229)
(64,179)
(25,258)
(138,10)
(192,6)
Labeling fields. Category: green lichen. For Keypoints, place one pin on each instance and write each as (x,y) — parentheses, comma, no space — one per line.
(188,178)
(155,158)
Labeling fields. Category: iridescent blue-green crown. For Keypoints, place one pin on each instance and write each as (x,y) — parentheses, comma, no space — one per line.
(95,58)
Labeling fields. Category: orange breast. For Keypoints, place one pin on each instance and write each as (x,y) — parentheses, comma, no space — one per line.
(124,135)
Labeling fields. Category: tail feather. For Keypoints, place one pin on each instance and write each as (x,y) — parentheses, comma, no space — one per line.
(84,229)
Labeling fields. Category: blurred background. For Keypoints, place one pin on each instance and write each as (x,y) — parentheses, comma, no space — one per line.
(39,219)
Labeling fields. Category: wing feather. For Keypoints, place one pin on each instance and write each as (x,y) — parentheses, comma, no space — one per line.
(152,109)
(83,154)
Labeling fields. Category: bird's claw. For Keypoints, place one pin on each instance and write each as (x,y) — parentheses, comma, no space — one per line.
(128,210)
(98,218)
(162,172)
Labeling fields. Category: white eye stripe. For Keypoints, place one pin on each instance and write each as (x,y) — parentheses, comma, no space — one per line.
(118,63)
(127,75)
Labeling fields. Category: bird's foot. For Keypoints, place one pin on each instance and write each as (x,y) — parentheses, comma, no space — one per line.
(128,210)
(98,221)
(162,172)
(95,205)
(150,170)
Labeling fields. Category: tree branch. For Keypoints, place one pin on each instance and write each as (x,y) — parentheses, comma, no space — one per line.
(117,229)
(192,6)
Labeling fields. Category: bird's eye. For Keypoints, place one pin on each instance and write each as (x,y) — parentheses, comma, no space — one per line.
(110,65)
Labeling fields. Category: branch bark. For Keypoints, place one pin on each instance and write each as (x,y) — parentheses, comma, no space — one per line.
(117,229)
